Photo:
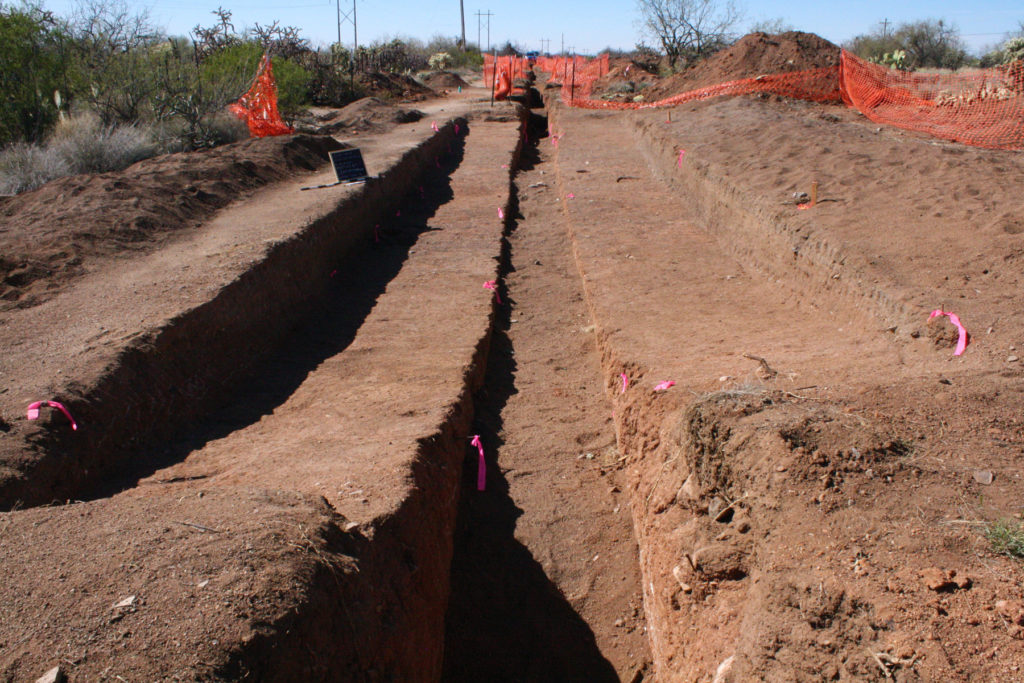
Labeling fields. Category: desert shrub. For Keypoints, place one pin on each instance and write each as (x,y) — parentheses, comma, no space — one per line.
(929,43)
(32,68)
(231,70)
(439,61)
(24,167)
(87,145)
(1006,537)
(1013,49)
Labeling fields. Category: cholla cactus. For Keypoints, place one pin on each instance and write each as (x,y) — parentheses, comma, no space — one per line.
(1013,50)
(439,61)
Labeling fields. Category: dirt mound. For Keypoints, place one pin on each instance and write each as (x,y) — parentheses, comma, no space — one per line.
(443,79)
(52,235)
(394,87)
(755,54)
(370,114)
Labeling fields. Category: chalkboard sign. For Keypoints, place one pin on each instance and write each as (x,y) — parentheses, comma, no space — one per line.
(348,165)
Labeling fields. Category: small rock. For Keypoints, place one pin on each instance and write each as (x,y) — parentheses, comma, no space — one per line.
(54,675)
(127,602)
(943,581)
(1012,610)
(724,378)
(724,671)
(619,622)
(983,477)
(203,584)
(690,489)
(973,619)
(1012,359)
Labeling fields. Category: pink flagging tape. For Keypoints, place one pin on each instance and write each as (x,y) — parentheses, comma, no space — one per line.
(504,165)
(456,129)
(679,161)
(803,207)
(667,384)
(570,196)
(961,342)
(33,411)
(493,286)
(501,213)
(433,124)
(334,272)
(554,140)
(481,470)
(625,382)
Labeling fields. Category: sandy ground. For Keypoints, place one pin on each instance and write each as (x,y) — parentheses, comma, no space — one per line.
(805,502)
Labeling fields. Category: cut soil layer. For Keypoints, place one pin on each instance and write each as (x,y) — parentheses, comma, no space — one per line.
(806,494)
(306,532)
(545,580)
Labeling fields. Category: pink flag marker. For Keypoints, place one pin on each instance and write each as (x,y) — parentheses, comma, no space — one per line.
(501,213)
(625,382)
(679,162)
(493,286)
(667,384)
(961,342)
(803,207)
(456,129)
(504,165)
(433,124)
(554,140)
(570,196)
(334,272)
(33,411)
(481,470)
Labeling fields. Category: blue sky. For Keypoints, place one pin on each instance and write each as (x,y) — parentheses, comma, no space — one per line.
(589,25)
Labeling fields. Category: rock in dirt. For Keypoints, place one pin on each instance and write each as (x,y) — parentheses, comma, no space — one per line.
(944,581)
(1012,610)
(721,562)
(54,675)
(983,477)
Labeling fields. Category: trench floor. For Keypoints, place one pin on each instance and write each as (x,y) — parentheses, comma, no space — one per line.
(545,578)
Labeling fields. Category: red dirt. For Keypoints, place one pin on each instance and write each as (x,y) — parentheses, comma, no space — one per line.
(64,229)
(850,460)
(443,79)
(754,55)
(391,86)
(368,115)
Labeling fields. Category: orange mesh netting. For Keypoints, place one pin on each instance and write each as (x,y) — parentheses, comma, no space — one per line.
(984,108)
(258,107)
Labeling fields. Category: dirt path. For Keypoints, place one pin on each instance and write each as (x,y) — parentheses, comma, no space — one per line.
(545,576)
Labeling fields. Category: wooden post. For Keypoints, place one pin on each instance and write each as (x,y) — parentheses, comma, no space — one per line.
(814,193)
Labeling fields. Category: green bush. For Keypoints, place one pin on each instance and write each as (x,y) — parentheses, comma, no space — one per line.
(88,146)
(32,68)
(233,68)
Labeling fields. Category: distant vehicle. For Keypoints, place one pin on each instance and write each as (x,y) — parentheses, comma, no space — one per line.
(531,57)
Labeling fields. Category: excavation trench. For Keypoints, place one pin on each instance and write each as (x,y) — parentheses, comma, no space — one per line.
(544,577)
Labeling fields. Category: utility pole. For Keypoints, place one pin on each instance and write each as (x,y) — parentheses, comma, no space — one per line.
(885,28)
(487,14)
(462,15)
(350,16)
(543,49)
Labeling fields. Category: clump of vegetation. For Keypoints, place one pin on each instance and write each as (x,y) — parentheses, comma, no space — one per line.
(1006,537)
(924,44)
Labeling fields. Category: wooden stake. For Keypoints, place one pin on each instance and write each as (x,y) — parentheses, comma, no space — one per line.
(814,193)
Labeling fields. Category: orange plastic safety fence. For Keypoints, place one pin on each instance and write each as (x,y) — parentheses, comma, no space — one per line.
(258,107)
(984,108)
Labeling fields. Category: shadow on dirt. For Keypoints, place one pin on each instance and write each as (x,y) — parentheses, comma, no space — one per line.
(327,331)
(507,621)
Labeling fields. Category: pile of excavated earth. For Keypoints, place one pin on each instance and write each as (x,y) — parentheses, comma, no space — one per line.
(555,395)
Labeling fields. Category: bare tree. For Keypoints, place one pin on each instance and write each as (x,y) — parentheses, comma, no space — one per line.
(689,29)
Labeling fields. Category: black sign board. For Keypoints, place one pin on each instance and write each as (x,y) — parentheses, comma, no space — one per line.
(348,165)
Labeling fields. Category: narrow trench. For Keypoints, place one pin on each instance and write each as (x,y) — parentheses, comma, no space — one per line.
(515,612)
(327,330)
